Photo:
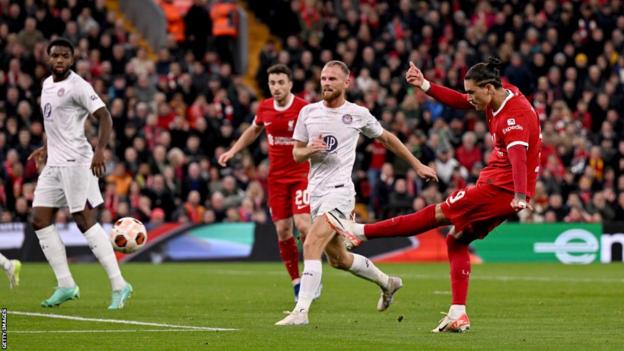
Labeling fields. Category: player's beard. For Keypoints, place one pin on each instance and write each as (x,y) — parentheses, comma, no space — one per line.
(330,96)
(60,74)
(281,99)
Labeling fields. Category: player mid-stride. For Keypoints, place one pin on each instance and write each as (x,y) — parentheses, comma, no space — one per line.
(327,136)
(70,175)
(288,180)
(504,187)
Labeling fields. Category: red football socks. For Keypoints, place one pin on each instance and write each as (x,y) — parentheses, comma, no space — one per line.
(407,225)
(290,256)
(459,260)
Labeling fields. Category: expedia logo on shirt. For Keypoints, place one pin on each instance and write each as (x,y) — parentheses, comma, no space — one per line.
(331,142)
(47,111)
(513,127)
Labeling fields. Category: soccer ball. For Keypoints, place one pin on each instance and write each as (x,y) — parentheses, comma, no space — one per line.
(128,235)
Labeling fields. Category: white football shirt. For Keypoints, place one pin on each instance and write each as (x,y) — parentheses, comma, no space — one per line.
(340,128)
(66,105)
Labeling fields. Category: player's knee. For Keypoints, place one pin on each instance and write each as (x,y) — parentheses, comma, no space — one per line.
(283,233)
(303,227)
(83,223)
(335,262)
(39,221)
(339,262)
(309,244)
(460,239)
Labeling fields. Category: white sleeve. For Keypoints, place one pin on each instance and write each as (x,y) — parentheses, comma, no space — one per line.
(301,132)
(371,127)
(87,97)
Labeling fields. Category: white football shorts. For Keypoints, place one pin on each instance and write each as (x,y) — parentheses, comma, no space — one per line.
(67,187)
(341,199)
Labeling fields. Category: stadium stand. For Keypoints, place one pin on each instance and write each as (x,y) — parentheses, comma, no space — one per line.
(174,115)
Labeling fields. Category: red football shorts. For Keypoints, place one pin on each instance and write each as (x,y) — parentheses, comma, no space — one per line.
(288,198)
(477,210)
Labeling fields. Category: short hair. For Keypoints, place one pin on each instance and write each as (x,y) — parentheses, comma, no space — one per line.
(61,42)
(343,66)
(486,72)
(280,69)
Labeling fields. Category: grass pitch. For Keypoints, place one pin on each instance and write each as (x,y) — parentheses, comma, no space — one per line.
(512,307)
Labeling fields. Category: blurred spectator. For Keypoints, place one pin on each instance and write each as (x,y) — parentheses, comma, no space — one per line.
(174,115)
(224,15)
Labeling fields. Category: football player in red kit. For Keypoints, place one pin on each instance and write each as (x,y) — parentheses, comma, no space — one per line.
(288,180)
(504,187)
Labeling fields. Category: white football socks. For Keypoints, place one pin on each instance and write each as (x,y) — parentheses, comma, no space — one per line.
(456,310)
(358,228)
(310,281)
(5,263)
(103,250)
(364,268)
(54,251)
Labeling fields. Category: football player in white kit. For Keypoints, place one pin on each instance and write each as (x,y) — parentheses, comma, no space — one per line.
(70,175)
(326,134)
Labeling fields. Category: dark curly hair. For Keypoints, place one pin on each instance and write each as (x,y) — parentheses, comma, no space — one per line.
(486,72)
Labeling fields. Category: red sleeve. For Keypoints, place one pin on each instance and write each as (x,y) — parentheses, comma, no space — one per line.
(515,129)
(449,97)
(518,158)
(258,117)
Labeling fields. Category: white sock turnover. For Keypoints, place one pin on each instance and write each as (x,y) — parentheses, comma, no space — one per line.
(456,310)
(358,228)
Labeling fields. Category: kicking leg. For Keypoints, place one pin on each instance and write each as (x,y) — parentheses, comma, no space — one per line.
(407,225)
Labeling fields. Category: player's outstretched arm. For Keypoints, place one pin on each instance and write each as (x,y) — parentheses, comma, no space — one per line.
(449,97)
(98,166)
(392,143)
(249,135)
(303,151)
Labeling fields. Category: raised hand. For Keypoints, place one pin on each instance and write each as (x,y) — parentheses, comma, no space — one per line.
(414,76)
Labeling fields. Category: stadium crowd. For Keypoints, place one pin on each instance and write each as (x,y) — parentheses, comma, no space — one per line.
(173,116)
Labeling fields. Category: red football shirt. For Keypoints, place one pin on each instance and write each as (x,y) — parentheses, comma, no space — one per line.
(279,124)
(515,123)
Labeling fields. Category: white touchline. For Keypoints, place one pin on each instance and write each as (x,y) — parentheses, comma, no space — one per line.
(104,331)
(116,321)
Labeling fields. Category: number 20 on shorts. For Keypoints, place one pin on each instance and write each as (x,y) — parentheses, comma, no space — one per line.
(302,198)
